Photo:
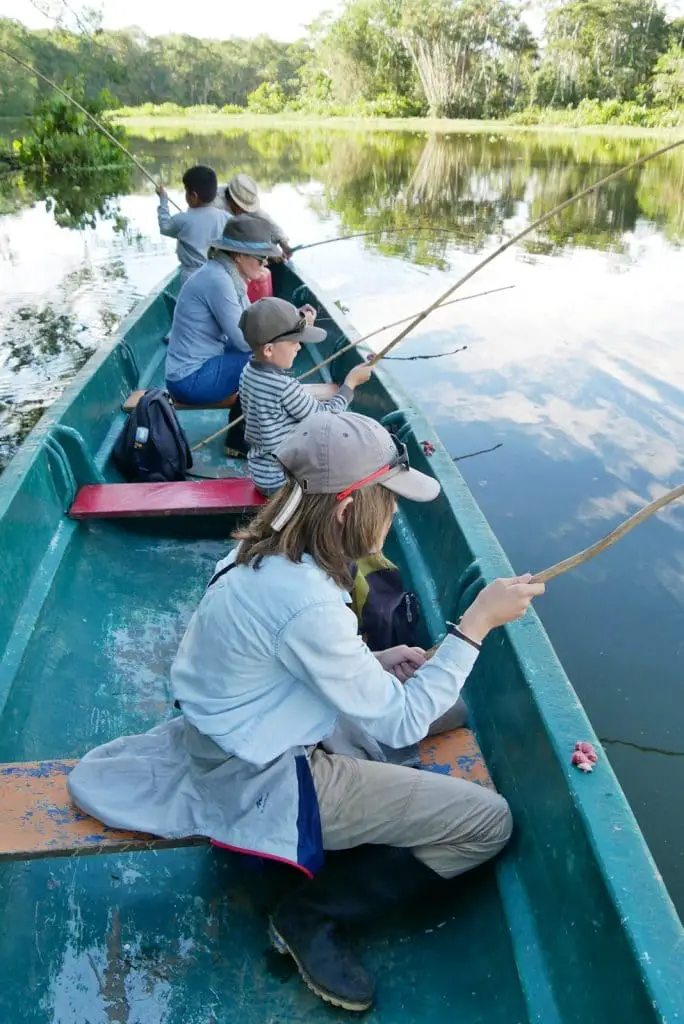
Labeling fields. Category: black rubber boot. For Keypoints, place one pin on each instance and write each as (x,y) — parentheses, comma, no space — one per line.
(352,886)
(324,960)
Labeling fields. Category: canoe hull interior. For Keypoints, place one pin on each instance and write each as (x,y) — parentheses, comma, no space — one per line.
(572,924)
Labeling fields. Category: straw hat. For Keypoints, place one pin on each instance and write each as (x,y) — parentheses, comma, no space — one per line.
(244,191)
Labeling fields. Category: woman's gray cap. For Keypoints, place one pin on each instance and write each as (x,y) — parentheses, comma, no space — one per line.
(328,453)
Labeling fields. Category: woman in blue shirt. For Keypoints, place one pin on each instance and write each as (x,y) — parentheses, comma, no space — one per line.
(207,350)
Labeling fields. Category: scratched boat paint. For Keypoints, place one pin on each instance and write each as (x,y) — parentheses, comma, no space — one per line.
(39,819)
(91,617)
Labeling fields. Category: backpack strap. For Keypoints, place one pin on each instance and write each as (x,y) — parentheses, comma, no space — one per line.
(217,575)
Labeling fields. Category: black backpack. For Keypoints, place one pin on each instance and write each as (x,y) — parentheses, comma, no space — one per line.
(152,446)
(387,613)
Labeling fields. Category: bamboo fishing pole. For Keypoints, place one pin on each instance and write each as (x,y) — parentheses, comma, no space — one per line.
(441,300)
(347,348)
(388,327)
(611,538)
(377,231)
(520,235)
(601,545)
(100,127)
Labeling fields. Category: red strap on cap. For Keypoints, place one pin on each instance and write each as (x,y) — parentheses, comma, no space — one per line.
(362,483)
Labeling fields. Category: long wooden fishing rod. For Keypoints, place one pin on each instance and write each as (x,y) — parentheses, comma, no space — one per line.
(441,300)
(611,538)
(377,231)
(520,235)
(347,348)
(100,127)
(601,545)
(388,327)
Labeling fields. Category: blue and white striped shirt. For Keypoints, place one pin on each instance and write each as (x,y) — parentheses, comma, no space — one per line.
(273,403)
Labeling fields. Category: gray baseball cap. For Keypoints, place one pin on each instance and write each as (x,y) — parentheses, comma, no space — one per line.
(338,454)
(269,320)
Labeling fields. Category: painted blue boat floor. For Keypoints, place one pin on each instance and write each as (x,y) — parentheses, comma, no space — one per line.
(180,938)
(98,661)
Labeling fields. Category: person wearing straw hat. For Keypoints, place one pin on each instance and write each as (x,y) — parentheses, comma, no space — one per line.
(241,195)
(207,349)
(283,709)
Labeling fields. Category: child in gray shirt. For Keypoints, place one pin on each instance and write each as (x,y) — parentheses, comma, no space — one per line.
(273,401)
(199,225)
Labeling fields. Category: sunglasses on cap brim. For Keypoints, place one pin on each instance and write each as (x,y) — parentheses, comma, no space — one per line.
(400,461)
(298,328)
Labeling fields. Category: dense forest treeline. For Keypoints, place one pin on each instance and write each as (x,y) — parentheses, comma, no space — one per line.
(597,61)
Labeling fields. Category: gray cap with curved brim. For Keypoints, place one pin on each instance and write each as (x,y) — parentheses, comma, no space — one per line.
(272,319)
(328,454)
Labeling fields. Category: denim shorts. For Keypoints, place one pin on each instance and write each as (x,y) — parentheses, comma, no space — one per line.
(214,381)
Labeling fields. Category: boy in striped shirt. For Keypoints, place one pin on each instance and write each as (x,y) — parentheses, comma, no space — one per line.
(274,402)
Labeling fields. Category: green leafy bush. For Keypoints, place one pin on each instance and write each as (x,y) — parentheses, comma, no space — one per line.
(67,162)
(267,98)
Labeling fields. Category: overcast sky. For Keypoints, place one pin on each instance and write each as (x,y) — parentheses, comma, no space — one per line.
(280,19)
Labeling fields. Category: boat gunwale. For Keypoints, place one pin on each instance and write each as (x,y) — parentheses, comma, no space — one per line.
(31,447)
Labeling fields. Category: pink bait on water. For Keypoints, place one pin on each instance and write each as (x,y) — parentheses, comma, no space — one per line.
(584,756)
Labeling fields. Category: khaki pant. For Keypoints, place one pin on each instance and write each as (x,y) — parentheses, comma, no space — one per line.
(449,824)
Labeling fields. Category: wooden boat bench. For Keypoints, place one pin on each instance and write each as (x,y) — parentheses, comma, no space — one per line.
(38,818)
(130,403)
(182,498)
(319,391)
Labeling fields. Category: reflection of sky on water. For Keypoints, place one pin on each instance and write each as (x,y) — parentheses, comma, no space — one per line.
(578,370)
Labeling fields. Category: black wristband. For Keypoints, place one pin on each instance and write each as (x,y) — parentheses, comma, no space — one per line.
(455,631)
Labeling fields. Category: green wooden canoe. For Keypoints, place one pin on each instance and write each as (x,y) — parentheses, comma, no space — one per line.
(571,924)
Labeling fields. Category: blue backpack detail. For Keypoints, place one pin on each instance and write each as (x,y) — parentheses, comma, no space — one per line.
(152,446)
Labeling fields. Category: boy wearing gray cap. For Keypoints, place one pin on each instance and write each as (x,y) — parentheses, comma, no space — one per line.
(272,400)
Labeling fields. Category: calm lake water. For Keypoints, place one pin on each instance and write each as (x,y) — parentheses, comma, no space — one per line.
(577,371)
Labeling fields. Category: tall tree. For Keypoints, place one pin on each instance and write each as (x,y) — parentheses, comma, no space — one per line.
(359,55)
(468,53)
(600,49)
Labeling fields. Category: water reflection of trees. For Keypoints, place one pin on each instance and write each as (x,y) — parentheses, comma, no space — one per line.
(38,334)
(77,197)
(468,185)
(46,346)
(16,421)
